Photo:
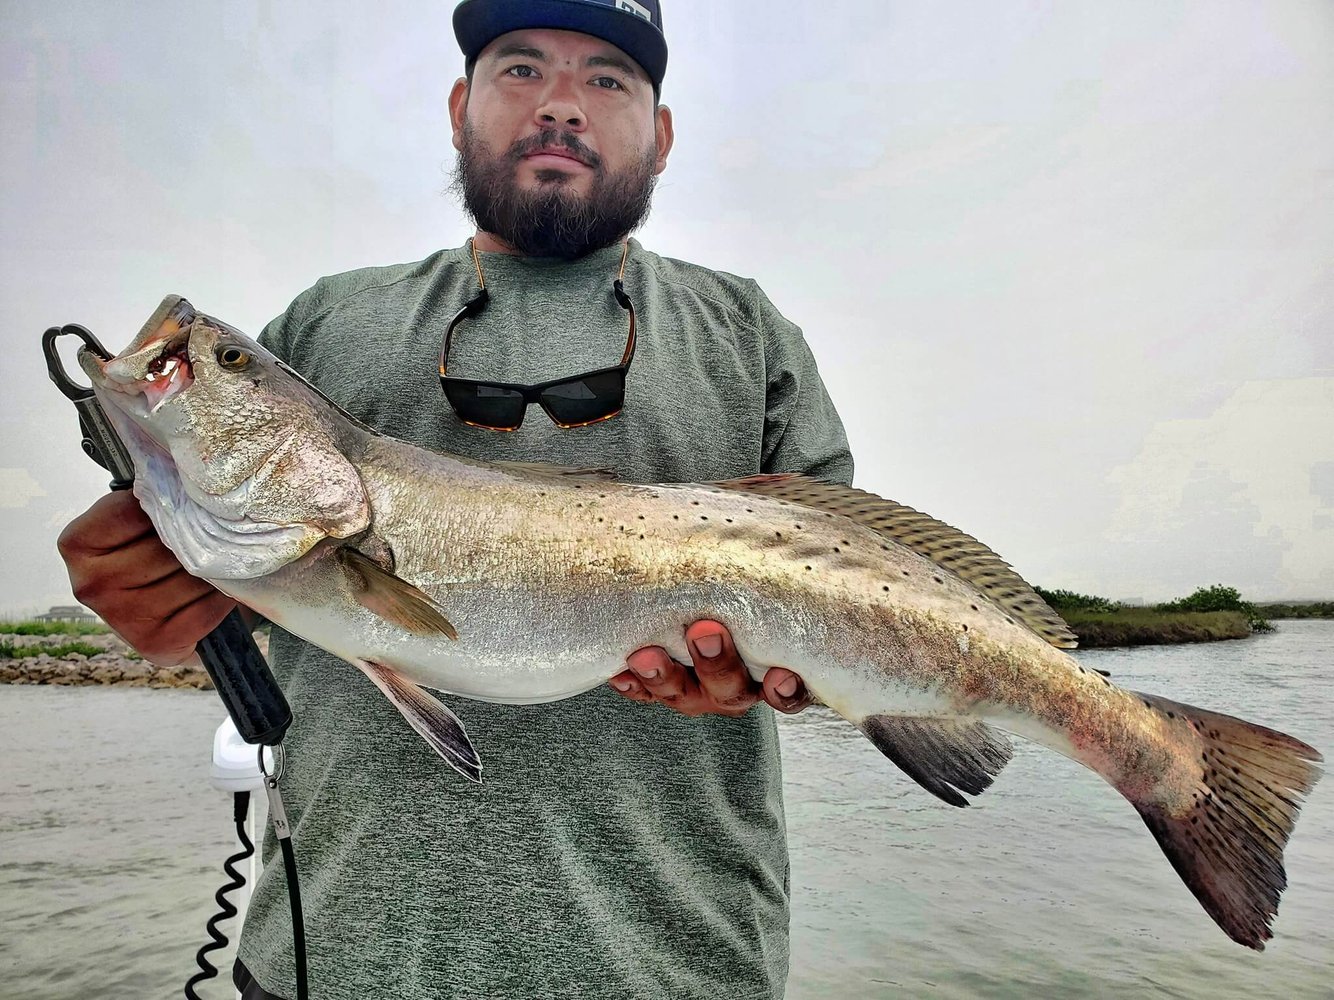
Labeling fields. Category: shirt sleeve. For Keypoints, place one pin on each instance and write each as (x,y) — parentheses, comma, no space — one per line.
(802,430)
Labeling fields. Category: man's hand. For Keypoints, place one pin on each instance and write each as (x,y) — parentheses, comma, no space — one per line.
(119,567)
(718,684)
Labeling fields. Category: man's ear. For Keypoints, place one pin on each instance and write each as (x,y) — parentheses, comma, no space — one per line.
(664,136)
(458,108)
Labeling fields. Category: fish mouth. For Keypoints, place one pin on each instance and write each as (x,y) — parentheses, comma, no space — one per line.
(155,368)
(169,374)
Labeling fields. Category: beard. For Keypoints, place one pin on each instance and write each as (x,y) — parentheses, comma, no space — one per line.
(551,220)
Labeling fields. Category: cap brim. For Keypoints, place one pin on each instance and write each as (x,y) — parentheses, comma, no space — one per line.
(477,23)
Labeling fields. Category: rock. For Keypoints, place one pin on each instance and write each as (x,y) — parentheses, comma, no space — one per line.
(63,673)
(108,673)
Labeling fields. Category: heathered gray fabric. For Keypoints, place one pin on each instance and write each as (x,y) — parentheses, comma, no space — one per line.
(616,850)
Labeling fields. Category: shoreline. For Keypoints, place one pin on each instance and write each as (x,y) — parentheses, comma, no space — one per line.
(114,665)
(117,666)
(1145,627)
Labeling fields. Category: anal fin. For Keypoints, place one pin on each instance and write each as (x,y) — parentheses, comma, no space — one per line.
(436,724)
(944,756)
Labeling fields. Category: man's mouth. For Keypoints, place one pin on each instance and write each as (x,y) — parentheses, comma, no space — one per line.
(554,149)
(554,156)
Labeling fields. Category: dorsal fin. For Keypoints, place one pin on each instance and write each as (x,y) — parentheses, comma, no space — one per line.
(961,554)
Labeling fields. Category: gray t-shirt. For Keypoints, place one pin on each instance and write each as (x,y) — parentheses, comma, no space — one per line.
(616,850)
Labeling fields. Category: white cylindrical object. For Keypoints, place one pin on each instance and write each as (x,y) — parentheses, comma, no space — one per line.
(235,762)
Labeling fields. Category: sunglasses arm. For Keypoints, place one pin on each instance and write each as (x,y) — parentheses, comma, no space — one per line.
(470,308)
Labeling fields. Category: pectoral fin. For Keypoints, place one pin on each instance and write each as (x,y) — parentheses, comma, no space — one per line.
(392,598)
(435,723)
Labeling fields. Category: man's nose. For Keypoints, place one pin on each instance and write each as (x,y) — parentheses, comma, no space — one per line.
(560,107)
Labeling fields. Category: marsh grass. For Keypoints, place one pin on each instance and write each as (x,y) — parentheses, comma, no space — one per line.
(1148,626)
(8,651)
(53,628)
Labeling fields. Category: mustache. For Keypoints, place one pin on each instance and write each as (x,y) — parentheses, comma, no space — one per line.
(551,139)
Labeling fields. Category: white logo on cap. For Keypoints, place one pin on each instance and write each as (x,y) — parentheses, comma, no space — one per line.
(634,8)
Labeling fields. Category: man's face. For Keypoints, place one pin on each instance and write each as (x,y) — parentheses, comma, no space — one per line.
(560,142)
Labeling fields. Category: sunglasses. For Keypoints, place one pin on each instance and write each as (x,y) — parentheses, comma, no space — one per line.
(573,401)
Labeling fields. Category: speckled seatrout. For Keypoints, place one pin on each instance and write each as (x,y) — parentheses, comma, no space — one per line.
(528,584)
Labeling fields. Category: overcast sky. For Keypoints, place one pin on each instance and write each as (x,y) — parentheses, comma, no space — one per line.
(1066,267)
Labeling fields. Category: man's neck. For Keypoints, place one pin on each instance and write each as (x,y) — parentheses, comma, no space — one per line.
(491,243)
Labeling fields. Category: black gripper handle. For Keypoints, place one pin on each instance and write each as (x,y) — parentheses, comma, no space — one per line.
(244,682)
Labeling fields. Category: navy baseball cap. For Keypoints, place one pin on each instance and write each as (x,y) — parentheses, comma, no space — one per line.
(633,26)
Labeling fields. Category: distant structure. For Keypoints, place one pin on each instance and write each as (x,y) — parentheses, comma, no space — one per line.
(67,613)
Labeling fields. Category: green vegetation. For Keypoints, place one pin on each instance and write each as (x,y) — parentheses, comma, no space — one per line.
(1068,600)
(1148,626)
(1220,598)
(53,628)
(1207,615)
(8,651)
(1317,609)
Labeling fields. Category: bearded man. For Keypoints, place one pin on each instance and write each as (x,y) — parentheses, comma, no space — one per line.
(616,850)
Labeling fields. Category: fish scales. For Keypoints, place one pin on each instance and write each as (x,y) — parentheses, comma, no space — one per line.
(523,584)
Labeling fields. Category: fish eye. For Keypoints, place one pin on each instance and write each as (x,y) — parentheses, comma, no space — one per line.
(233,357)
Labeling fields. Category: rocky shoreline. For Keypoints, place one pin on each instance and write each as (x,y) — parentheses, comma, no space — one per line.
(115,665)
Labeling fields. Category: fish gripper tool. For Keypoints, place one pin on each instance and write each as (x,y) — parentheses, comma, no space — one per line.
(239,671)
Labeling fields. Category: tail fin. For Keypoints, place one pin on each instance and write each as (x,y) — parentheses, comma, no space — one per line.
(1228,847)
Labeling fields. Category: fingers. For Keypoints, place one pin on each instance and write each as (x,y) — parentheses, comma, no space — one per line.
(665,680)
(113,521)
(145,561)
(119,567)
(723,679)
(785,692)
(718,682)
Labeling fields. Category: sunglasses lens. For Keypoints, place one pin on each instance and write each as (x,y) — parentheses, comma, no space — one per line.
(585,399)
(487,405)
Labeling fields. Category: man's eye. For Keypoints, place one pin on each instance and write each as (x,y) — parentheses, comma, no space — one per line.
(523,72)
(608,83)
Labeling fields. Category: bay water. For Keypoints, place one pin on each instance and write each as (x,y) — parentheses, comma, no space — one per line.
(112,841)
